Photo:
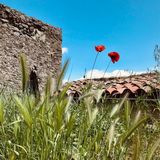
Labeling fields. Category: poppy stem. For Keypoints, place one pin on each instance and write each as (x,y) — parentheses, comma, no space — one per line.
(94,64)
(106,68)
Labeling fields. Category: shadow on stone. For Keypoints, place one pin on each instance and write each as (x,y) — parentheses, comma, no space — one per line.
(33,82)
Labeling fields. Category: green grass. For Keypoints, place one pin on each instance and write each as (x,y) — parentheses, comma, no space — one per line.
(56,127)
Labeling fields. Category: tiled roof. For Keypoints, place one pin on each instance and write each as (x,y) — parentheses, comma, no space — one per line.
(116,86)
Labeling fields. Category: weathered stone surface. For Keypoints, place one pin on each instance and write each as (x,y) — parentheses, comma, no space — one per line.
(41,43)
(4,20)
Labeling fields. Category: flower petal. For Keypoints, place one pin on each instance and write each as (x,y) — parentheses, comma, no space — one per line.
(100,48)
(114,56)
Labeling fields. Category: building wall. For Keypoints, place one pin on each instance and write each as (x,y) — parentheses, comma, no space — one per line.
(40,42)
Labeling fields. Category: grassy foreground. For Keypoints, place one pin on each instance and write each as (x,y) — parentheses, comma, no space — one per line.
(54,127)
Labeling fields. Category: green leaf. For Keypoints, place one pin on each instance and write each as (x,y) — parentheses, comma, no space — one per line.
(127,112)
(62,74)
(1,111)
(24,111)
(132,129)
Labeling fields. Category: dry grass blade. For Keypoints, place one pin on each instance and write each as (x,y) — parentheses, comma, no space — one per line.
(117,107)
(92,113)
(98,94)
(153,149)
(111,134)
(84,96)
(24,72)
(138,115)
(136,149)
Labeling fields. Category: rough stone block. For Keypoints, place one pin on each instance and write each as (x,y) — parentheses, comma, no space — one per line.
(37,40)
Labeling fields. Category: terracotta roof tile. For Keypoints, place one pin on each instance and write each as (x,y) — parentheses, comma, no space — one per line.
(121,90)
(147,89)
(111,89)
(144,83)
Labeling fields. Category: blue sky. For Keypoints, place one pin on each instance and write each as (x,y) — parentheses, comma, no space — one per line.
(130,27)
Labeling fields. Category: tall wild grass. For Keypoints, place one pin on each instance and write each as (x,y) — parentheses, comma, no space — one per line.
(55,127)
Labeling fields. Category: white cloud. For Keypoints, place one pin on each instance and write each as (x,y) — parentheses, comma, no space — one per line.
(116,73)
(64,81)
(64,50)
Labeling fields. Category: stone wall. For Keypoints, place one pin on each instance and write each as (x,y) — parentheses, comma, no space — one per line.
(41,43)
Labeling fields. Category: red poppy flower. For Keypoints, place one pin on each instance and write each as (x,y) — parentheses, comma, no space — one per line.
(100,48)
(114,56)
